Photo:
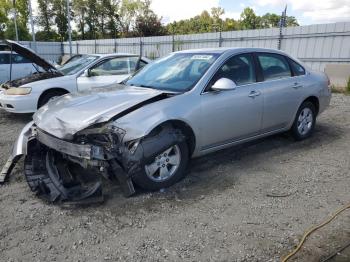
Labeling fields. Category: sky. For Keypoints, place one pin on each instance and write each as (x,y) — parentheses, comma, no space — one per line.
(306,11)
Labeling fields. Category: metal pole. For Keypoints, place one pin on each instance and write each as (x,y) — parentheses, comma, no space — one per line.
(69,29)
(282,24)
(32,22)
(11,64)
(15,18)
(141,44)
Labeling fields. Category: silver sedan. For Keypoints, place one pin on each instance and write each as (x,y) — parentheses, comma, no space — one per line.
(184,105)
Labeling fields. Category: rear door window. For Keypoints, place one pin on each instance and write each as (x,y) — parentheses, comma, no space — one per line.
(115,66)
(18,59)
(274,66)
(4,59)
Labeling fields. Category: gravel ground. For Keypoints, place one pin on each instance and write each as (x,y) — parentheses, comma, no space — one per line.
(222,211)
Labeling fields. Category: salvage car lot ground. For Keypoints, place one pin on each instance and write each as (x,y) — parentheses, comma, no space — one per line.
(249,203)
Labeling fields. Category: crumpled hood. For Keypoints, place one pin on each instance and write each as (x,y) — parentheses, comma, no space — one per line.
(65,116)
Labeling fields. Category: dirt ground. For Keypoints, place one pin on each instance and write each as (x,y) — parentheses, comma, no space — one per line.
(222,211)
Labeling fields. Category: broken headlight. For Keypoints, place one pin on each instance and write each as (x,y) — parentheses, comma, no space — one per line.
(105,135)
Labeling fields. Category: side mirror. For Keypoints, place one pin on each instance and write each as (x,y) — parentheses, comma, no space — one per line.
(224,84)
(87,73)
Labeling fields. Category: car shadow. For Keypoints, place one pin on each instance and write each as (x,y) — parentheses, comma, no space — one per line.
(216,172)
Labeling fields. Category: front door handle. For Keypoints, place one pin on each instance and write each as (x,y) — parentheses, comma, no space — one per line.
(254,93)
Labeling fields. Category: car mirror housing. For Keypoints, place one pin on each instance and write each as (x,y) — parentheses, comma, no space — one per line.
(224,84)
(87,73)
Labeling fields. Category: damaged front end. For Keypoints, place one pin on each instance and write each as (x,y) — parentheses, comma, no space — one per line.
(61,170)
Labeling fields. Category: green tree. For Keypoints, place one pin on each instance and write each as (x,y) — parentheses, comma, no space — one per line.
(291,21)
(272,20)
(147,22)
(45,19)
(4,8)
(23,33)
(249,20)
(80,12)
(22,11)
(60,17)
(216,13)
(47,36)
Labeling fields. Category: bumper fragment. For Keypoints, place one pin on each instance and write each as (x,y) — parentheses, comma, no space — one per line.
(8,167)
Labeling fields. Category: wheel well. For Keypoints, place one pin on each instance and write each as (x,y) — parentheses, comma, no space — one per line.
(314,100)
(64,91)
(187,131)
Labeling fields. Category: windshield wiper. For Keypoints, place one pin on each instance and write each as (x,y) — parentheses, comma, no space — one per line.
(145,86)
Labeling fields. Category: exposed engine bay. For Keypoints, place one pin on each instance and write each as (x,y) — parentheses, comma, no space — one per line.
(61,171)
(71,170)
(32,78)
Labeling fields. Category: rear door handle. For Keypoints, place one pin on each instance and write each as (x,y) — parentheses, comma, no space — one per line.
(296,85)
(254,93)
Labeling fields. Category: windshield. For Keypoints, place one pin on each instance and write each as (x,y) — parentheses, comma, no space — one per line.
(76,65)
(177,72)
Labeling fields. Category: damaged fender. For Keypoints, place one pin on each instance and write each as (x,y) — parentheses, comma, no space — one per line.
(19,149)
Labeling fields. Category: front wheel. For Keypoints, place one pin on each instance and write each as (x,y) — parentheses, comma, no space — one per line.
(45,98)
(304,122)
(165,169)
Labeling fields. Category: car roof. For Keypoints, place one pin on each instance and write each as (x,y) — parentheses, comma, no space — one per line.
(232,50)
(114,54)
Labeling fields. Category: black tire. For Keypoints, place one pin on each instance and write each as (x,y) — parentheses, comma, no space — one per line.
(296,132)
(48,95)
(143,181)
(49,177)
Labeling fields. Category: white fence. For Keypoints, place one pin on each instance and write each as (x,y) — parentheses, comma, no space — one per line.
(316,45)
(51,51)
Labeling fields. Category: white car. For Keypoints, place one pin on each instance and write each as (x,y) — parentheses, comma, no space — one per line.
(89,71)
(20,67)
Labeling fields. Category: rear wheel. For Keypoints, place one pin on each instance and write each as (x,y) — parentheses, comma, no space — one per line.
(45,98)
(167,168)
(305,121)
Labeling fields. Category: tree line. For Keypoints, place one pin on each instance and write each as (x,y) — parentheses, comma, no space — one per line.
(100,19)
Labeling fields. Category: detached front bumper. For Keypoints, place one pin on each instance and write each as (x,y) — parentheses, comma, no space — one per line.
(19,149)
(45,175)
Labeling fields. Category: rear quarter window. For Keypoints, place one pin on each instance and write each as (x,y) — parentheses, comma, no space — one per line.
(297,69)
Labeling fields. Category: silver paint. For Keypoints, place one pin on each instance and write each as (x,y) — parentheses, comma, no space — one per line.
(217,119)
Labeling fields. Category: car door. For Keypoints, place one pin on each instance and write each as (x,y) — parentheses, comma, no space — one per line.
(4,67)
(21,66)
(282,91)
(108,72)
(229,116)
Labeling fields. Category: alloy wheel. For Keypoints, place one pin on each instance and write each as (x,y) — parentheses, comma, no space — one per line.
(164,165)
(305,121)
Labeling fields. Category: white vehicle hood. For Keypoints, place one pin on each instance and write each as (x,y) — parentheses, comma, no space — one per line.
(50,82)
(65,116)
